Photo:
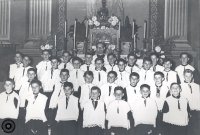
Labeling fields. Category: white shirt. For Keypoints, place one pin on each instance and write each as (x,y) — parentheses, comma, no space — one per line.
(180,69)
(85,67)
(13,69)
(146,76)
(192,94)
(76,77)
(107,90)
(117,114)
(130,69)
(144,114)
(68,66)
(8,109)
(105,59)
(94,117)
(100,78)
(42,67)
(157,68)
(35,109)
(170,77)
(69,113)
(122,78)
(111,68)
(175,115)
(132,92)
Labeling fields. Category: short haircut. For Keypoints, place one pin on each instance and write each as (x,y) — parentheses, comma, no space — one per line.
(112,72)
(21,54)
(27,57)
(119,88)
(89,53)
(145,86)
(36,81)
(96,88)
(45,50)
(90,73)
(131,54)
(64,70)
(111,54)
(104,45)
(121,60)
(184,53)
(97,59)
(76,59)
(159,73)
(9,80)
(167,60)
(147,59)
(134,74)
(175,84)
(55,58)
(154,54)
(68,84)
(188,71)
(66,52)
(32,69)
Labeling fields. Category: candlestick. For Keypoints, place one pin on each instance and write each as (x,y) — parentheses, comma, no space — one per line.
(133,29)
(65,29)
(119,29)
(152,42)
(86,33)
(55,41)
(134,43)
(75,34)
(145,28)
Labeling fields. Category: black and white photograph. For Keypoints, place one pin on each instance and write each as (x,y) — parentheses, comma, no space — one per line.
(99,67)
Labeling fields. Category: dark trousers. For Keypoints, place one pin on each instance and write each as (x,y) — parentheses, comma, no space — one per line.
(36,127)
(67,128)
(194,123)
(118,131)
(16,129)
(143,129)
(93,131)
(170,129)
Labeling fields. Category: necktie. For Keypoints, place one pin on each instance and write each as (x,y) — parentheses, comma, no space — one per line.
(158,91)
(65,65)
(88,67)
(135,91)
(154,68)
(179,105)
(190,87)
(145,75)
(145,102)
(94,103)
(110,87)
(76,74)
(131,69)
(112,67)
(7,98)
(121,75)
(51,73)
(167,77)
(23,71)
(46,66)
(60,88)
(99,77)
(35,96)
(67,100)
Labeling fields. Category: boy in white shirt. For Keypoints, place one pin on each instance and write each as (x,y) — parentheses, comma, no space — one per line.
(99,72)
(44,65)
(100,52)
(144,110)
(16,65)
(132,66)
(123,76)
(67,111)
(112,63)
(191,91)
(66,64)
(76,74)
(94,114)
(88,66)
(118,114)
(155,66)
(175,112)
(170,75)
(184,58)
(35,111)
(9,101)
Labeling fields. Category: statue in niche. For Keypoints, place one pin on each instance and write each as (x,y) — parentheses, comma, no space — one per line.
(103,13)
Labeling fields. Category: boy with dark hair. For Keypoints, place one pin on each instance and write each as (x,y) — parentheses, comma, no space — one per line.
(132,66)
(112,62)
(155,66)
(66,64)
(88,66)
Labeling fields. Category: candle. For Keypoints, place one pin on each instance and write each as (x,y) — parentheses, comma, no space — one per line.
(134,43)
(86,34)
(75,34)
(133,29)
(152,42)
(145,28)
(119,29)
(55,41)
(65,29)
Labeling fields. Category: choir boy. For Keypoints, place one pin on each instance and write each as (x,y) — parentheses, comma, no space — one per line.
(133,89)
(112,63)
(22,71)
(118,114)
(155,66)
(170,75)
(123,76)
(100,52)
(191,91)
(132,66)
(67,111)
(175,112)
(146,74)
(88,66)
(86,87)
(99,72)
(144,110)
(107,90)
(94,114)
(44,65)
(16,65)
(35,119)
(9,104)
(66,64)
(76,74)
(184,58)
